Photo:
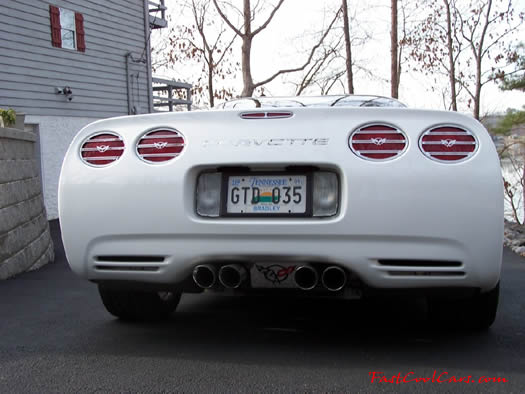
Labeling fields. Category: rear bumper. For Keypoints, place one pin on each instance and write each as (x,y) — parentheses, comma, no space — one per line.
(170,259)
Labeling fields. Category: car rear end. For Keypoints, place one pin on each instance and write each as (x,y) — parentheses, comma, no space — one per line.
(393,198)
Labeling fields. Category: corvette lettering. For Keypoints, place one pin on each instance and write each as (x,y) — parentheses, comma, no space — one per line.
(254,142)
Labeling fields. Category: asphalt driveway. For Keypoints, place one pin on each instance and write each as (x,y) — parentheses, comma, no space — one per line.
(55,336)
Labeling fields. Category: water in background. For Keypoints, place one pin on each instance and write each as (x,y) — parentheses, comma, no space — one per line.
(514,178)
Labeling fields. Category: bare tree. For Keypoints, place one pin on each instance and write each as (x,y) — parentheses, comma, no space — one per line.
(451,57)
(315,70)
(212,52)
(407,11)
(326,63)
(394,68)
(332,68)
(207,43)
(467,43)
(484,32)
(437,47)
(348,49)
(247,33)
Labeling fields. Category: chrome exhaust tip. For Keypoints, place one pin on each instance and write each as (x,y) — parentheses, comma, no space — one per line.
(306,277)
(334,278)
(205,276)
(232,275)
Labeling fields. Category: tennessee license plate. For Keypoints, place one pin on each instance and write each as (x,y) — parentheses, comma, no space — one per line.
(266,195)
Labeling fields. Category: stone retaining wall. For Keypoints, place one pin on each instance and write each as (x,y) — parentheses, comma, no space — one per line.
(25,241)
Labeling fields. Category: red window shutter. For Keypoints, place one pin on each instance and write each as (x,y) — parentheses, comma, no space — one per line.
(56,34)
(79,24)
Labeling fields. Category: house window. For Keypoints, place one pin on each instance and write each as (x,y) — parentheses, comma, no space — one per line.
(67,29)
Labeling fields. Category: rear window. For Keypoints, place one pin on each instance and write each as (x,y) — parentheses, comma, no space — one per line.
(316,101)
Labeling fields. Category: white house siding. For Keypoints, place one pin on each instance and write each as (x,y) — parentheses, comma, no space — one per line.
(32,69)
(56,133)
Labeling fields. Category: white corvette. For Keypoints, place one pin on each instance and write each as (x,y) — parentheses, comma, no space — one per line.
(345,196)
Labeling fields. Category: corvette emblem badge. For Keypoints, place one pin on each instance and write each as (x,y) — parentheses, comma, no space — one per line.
(102,148)
(448,143)
(160,145)
(378,141)
(275,273)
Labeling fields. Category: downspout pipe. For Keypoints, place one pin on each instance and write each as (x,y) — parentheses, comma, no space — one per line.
(128,84)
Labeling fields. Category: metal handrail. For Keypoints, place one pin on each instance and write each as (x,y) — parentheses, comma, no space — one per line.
(169,87)
(157,21)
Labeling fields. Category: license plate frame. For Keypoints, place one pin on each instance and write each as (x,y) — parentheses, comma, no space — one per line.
(309,195)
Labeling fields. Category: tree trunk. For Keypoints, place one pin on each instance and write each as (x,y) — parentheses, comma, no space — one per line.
(393,43)
(211,67)
(248,86)
(477,94)
(478,56)
(247,36)
(348,47)
(452,66)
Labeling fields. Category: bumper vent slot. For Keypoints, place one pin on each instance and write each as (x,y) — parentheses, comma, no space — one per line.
(419,263)
(426,273)
(131,259)
(421,268)
(129,263)
(126,268)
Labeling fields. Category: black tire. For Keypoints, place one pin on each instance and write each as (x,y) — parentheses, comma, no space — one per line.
(139,305)
(477,312)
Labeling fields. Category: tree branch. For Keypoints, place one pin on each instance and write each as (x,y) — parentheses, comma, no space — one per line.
(512,29)
(199,22)
(225,18)
(291,70)
(312,72)
(465,86)
(484,31)
(225,50)
(265,24)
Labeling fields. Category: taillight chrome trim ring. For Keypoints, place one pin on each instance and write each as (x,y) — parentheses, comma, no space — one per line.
(169,129)
(113,158)
(429,155)
(396,130)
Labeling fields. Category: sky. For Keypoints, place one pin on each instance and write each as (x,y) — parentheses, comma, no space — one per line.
(286,41)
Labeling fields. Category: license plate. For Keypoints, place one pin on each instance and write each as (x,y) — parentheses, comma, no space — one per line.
(267,195)
(273,275)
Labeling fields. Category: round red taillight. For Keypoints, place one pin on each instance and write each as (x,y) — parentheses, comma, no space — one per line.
(102,149)
(378,142)
(448,143)
(160,145)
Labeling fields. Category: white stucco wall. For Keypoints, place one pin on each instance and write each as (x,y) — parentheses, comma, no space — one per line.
(56,133)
